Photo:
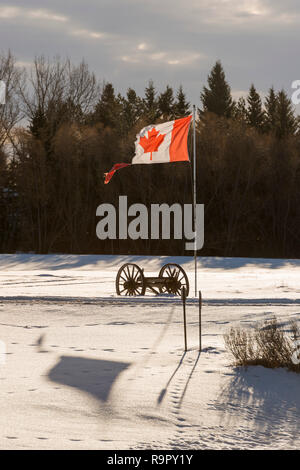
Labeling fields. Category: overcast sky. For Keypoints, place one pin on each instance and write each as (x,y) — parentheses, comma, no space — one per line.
(177,42)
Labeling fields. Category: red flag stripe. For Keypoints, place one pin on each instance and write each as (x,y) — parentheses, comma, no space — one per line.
(178,146)
(116,167)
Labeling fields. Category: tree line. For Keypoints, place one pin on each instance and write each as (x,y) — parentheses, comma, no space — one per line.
(61,129)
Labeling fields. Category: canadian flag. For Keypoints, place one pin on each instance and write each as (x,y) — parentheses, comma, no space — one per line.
(161,143)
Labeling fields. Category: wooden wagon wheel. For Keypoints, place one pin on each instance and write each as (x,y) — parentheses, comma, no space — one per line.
(130,280)
(179,279)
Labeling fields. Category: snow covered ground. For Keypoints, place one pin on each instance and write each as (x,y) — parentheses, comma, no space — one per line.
(87,369)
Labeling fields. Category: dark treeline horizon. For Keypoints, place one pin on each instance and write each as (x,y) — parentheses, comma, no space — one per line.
(52,167)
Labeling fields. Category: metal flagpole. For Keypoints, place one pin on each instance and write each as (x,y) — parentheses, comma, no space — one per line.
(195,193)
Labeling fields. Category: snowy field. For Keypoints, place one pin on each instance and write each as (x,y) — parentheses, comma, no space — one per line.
(86,369)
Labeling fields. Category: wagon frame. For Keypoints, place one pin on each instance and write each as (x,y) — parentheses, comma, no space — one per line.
(131,281)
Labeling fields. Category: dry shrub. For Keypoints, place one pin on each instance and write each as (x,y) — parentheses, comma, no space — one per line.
(268,345)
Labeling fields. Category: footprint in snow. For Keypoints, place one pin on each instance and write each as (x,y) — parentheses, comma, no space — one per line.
(210,349)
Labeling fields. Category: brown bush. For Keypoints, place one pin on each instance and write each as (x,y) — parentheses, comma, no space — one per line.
(268,345)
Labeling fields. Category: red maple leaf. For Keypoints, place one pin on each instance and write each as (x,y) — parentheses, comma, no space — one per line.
(153,141)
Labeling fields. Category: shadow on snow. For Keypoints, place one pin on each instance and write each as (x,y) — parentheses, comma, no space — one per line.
(93,376)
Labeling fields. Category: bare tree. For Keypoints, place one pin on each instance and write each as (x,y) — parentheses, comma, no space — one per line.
(10,112)
(46,83)
(83,88)
(58,87)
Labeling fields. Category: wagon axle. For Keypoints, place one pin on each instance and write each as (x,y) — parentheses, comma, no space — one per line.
(171,279)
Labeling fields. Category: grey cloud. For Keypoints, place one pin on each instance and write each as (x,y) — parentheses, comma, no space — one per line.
(257,41)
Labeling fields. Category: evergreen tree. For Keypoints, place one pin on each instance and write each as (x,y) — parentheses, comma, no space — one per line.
(38,123)
(166,104)
(150,103)
(44,123)
(240,110)
(216,98)
(182,106)
(132,109)
(108,108)
(271,111)
(255,113)
(286,122)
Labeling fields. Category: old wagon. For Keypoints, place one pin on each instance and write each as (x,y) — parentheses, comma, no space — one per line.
(171,279)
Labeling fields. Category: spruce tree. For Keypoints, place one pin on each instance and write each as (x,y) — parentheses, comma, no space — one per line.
(216,98)
(38,123)
(108,108)
(271,111)
(182,106)
(131,109)
(286,122)
(255,113)
(240,110)
(166,104)
(150,104)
